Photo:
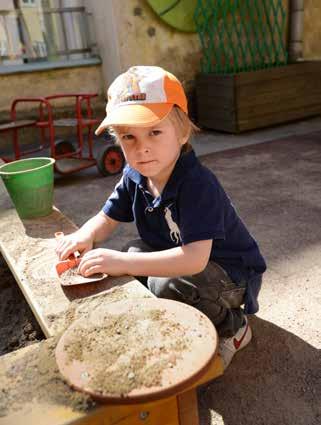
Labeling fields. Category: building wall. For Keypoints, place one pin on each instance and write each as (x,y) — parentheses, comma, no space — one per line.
(44,83)
(312,30)
(130,33)
(145,39)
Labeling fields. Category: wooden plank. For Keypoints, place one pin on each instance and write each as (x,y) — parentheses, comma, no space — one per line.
(215,103)
(219,105)
(49,400)
(307,105)
(29,252)
(260,98)
(277,73)
(282,73)
(271,103)
(162,412)
(217,119)
(214,79)
(215,370)
(218,124)
(215,100)
(249,122)
(214,110)
(28,248)
(188,408)
(296,90)
(214,91)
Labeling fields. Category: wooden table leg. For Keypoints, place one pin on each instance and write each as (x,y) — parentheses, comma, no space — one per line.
(188,408)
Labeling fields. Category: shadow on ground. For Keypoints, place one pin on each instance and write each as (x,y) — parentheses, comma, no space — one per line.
(275,380)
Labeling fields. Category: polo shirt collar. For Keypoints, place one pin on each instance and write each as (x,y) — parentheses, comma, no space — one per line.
(185,163)
(135,176)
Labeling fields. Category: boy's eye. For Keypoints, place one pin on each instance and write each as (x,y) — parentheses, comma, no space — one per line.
(127,137)
(155,132)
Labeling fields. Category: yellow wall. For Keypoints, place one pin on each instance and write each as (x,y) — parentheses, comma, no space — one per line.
(175,51)
(44,83)
(312,29)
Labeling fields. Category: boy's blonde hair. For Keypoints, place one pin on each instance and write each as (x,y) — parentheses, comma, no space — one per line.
(184,127)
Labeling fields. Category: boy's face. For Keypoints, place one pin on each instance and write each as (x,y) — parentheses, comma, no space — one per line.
(152,151)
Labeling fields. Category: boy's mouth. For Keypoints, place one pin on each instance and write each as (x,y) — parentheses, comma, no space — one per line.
(145,162)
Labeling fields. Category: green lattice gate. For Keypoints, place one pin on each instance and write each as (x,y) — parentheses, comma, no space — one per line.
(241,35)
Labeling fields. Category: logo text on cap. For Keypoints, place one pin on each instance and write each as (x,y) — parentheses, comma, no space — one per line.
(133,97)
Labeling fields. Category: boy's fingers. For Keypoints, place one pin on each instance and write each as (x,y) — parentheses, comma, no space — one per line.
(87,264)
(64,254)
(59,246)
(91,253)
(84,252)
(92,270)
(66,249)
(62,244)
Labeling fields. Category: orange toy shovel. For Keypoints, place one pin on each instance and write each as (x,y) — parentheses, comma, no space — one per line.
(71,262)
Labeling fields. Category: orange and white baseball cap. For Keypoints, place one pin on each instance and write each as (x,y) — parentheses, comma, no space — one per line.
(142,96)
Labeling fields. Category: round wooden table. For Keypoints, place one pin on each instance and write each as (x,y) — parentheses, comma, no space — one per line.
(137,350)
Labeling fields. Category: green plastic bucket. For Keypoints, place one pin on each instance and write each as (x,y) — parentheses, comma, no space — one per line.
(29,183)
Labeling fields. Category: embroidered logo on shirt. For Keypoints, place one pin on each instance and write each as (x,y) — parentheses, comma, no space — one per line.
(174,232)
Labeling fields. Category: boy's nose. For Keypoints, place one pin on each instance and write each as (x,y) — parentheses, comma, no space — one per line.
(143,146)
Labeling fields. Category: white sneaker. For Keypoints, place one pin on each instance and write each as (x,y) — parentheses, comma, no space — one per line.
(229,346)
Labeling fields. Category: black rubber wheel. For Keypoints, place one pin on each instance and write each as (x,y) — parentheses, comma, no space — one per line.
(110,160)
(63,147)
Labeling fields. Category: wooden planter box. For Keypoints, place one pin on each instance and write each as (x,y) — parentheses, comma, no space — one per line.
(255,99)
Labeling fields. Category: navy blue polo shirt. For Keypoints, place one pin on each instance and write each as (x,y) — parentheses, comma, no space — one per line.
(192,207)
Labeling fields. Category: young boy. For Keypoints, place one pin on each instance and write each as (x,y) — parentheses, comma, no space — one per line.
(193,248)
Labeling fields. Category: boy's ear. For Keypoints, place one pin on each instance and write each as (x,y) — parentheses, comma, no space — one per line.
(185,137)
(184,140)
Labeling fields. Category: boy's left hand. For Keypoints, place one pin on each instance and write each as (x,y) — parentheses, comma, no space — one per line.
(102,260)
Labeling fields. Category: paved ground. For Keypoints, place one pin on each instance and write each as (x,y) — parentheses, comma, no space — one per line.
(273,177)
(276,379)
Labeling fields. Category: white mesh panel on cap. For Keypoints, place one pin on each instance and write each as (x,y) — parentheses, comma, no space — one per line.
(147,80)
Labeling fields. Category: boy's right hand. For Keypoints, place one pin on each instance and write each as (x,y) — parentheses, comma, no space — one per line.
(77,241)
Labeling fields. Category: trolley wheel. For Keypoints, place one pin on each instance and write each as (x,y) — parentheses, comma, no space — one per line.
(110,160)
(64,147)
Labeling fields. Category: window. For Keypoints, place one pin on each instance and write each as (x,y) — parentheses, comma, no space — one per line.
(32,32)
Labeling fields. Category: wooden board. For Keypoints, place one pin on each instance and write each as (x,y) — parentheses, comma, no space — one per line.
(188,408)
(215,102)
(28,248)
(176,345)
(256,99)
(50,401)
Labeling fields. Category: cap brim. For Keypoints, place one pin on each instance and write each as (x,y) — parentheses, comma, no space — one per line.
(136,115)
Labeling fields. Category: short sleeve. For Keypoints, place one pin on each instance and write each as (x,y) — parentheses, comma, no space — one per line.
(119,204)
(201,209)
